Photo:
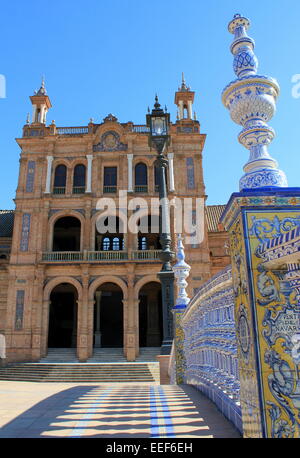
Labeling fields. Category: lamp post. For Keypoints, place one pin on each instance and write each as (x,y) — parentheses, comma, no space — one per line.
(158,122)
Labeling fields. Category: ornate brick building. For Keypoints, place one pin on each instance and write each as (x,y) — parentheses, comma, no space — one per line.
(64,283)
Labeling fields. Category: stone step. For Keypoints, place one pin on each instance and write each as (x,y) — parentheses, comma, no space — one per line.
(81,372)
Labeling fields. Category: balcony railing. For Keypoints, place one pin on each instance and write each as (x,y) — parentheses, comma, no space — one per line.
(143,188)
(59,190)
(72,130)
(109,189)
(141,129)
(106,256)
(78,189)
(65,256)
(143,255)
(100,256)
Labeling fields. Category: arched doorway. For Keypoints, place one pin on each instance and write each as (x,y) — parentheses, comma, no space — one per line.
(66,234)
(108,316)
(62,331)
(150,315)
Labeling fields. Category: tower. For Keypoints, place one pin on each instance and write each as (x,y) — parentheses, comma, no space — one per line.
(184,99)
(40,105)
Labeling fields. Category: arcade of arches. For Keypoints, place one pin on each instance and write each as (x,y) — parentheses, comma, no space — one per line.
(109,318)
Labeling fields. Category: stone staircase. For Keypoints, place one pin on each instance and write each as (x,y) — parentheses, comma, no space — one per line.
(80,372)
(60,355)
(106,365)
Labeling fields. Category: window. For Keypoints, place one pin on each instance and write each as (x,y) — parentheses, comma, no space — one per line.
(110,179)
(143,245)
(60,179)
(79,179)
(141,178)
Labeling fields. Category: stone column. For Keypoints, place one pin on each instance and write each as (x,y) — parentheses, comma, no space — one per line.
(82,314)
(45,327)
(190,109)
(89,173)
(129,165)
(97,324)
(171,172)
(130,329)
(48,177)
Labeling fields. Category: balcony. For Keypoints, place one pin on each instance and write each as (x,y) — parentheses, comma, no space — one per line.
(109,189)
(78,189)
(99,256)
(59,190)
(142,189)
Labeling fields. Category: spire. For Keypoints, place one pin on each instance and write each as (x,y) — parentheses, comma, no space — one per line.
(184,99)
(183,84)
(42,90)
(40,104)
(251,100)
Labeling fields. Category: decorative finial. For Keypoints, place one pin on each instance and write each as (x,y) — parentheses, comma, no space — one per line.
(183,87)
(251,101)
(195,116)
(28,119)
(42,90)
(181,271)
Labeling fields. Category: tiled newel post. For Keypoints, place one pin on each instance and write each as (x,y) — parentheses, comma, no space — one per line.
(263,221)
(181,271)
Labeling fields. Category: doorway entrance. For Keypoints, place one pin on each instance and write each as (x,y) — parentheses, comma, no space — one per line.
(108,316)
(150,315)
(63,317)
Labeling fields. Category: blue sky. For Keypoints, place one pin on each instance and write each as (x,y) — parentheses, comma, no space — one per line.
(101,57)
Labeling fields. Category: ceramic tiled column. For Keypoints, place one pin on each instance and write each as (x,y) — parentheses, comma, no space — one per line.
(261,219)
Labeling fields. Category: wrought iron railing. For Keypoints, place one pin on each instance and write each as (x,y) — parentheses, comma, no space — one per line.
(59,190)
(109,189)
(142,189)
(78,189)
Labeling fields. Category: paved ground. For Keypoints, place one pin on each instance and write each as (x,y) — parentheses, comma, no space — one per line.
(108,411)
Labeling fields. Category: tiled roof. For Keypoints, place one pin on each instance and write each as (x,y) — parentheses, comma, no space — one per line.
(213,215)
(6,223)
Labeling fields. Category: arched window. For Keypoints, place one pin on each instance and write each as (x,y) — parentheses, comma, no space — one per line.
(66,234)
(113,240)
(141,178)
(60,179)
(106,244)
(79,179)
(116,244)
(142,242)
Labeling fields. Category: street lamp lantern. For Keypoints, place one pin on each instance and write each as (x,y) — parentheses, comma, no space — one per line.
(158,122)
